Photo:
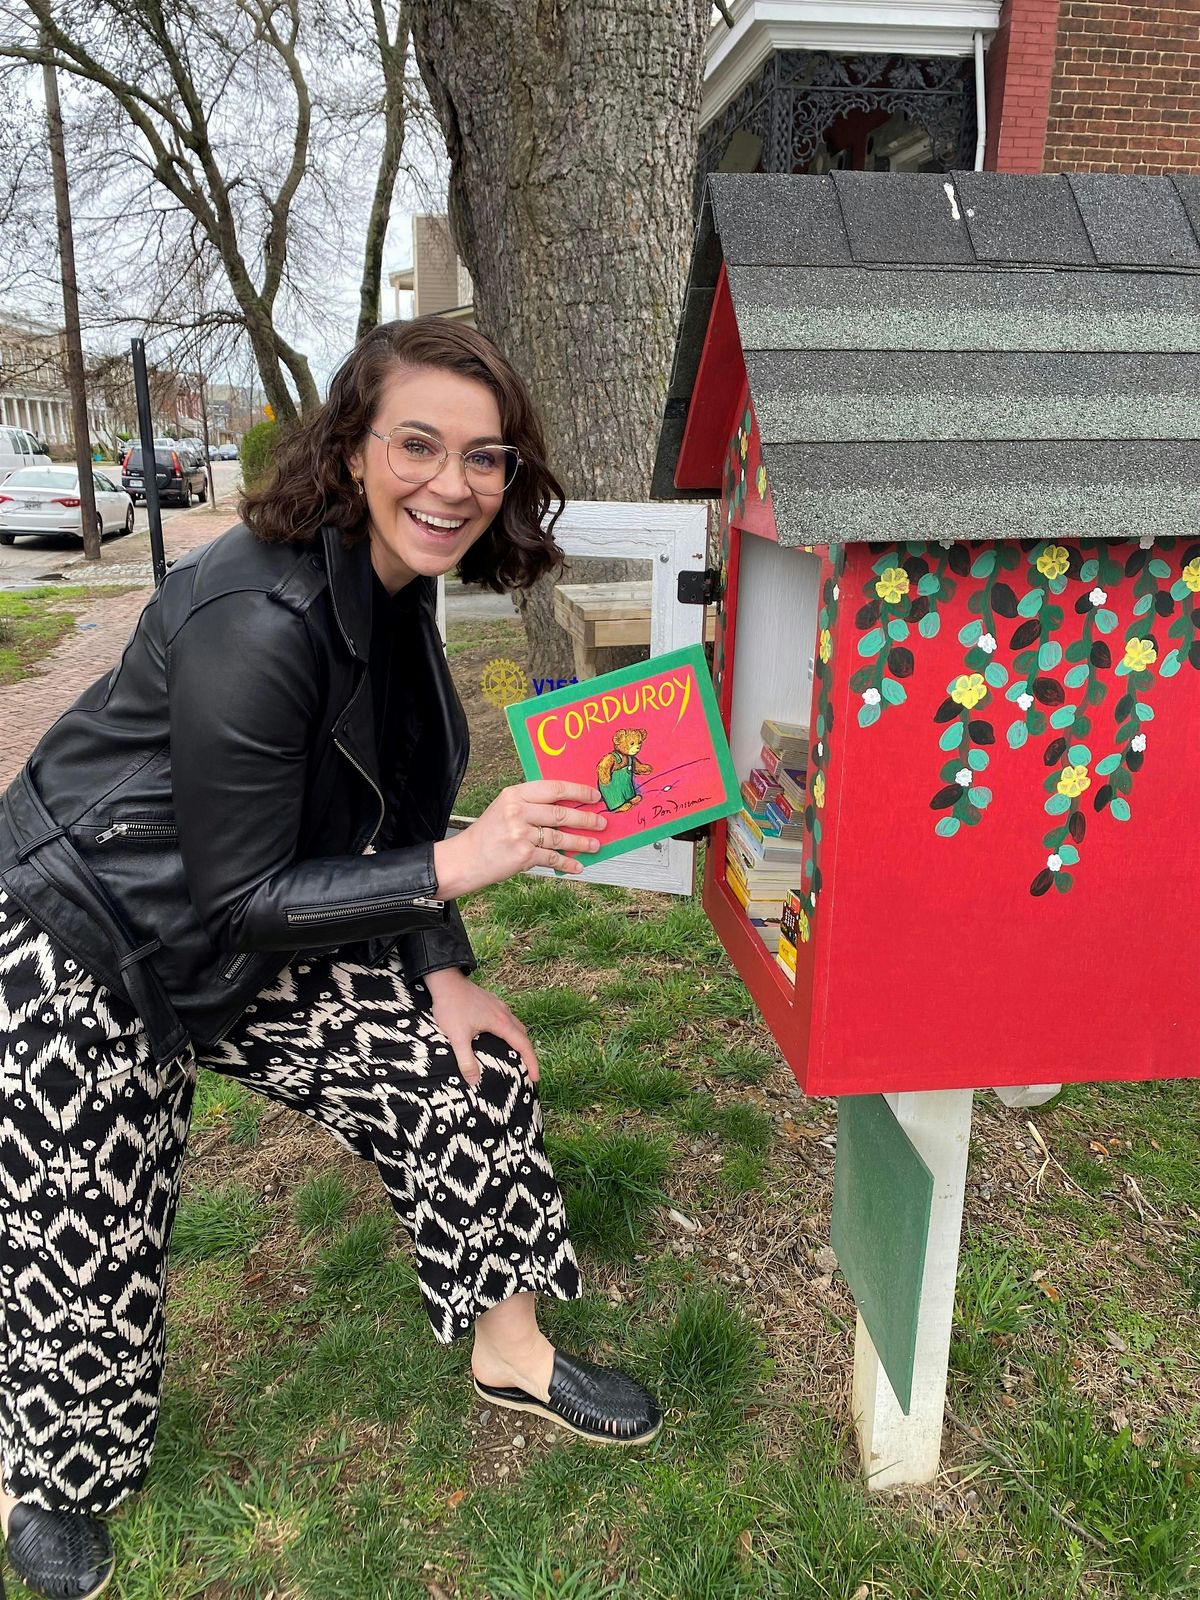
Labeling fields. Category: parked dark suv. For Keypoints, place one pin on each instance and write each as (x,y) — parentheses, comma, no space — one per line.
(179,475)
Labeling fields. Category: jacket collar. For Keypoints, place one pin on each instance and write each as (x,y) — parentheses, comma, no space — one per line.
(349,573)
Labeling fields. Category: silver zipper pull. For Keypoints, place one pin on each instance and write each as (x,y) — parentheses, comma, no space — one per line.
(111,833)
(433,905)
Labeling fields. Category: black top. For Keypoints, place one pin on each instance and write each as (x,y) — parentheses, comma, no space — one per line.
(397,715)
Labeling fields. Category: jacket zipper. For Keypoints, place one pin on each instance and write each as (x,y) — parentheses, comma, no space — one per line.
(378,792)
(358,908)
(229,973)
(141,830)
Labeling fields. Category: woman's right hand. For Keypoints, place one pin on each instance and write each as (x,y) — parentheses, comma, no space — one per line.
(526,825)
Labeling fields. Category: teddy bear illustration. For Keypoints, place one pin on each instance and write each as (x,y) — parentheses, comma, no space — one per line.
(615,771)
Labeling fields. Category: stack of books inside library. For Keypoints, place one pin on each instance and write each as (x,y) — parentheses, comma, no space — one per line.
(765,840)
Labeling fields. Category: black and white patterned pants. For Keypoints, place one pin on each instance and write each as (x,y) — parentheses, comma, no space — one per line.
(91,1144)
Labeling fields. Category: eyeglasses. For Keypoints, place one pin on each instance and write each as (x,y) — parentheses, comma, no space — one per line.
(415,458)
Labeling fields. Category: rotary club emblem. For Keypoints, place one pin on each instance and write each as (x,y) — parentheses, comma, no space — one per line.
(504,682)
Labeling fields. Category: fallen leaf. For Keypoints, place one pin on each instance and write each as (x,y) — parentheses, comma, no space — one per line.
(1100,1149)
(744,1543)
(456,1499)
(863,1592)
(1052,1294)
(613,1543)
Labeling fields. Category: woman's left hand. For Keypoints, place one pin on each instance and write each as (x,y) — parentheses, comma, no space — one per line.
(462,1011)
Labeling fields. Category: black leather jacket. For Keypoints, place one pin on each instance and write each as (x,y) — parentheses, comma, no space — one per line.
(221,784)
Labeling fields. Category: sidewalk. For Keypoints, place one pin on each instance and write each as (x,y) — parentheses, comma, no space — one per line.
(103,625)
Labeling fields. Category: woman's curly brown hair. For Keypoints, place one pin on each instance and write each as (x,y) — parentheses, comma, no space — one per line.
(311,483)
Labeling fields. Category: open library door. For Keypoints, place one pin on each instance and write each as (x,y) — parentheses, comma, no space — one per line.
(641,616)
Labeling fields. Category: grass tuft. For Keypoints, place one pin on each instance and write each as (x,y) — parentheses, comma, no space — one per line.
(220,1222)
(610,1182)
(322,1203)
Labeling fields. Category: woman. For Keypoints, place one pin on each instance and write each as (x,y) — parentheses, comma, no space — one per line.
(230,852)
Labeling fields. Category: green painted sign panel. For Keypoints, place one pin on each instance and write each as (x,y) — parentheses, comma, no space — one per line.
(882,1199)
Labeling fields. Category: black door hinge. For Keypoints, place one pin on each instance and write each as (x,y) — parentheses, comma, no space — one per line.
(699,588)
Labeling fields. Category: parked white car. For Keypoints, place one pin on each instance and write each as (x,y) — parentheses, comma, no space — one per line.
(19,449)
(46,500)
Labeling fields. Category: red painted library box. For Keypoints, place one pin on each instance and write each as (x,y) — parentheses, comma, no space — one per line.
(952,426)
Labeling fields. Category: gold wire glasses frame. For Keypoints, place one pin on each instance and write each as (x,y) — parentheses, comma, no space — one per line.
(416,458)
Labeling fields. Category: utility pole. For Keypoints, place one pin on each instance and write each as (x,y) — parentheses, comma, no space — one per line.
(66,256)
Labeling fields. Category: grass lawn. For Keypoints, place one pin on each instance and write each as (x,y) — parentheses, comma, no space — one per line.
(34,621)
(317,1444)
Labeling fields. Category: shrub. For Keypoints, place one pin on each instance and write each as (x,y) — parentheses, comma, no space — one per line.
(258,452)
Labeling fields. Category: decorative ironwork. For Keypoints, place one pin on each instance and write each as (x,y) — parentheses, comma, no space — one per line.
(800,94)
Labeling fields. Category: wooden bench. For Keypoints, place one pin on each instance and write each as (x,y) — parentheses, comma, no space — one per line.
(596,615)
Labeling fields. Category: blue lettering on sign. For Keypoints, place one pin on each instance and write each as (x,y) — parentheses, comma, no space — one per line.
(545,685)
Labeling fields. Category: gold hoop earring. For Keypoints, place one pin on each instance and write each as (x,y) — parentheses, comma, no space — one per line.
(358,484)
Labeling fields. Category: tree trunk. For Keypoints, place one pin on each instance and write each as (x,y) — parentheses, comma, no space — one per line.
(571,127)
(393,58)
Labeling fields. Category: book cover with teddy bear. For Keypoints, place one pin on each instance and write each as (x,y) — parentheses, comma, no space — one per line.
(649,737)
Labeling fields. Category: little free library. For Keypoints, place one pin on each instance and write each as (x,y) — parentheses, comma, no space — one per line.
(953,423)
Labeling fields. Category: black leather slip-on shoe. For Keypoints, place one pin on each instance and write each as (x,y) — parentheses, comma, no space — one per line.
(598,1403)
(62,1555)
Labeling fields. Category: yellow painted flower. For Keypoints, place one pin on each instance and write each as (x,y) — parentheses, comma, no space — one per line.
(802,927)
(1073,781)
(969,689)
(825,645)
(743,444)
(1191,575)
(1053,561)
(819,789)
(760,481)
(1140,654)
(892,584)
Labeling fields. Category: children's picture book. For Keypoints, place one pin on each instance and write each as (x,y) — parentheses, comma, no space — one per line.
(649,737)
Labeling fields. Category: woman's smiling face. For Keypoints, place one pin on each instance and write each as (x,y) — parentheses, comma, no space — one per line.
(425,529)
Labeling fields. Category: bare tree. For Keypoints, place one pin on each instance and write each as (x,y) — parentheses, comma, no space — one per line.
(571,127)
(236,116)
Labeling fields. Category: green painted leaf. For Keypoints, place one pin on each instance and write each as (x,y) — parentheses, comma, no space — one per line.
(947,827)
(820,724)
(979,797)
(977,760)
(1143,603)
(1063,882)
(897,629)
(871,643)
(1049,655)
(1119,808)
(1171,664)
(892,692)
(1030,604)
(1079,755)
(995,674)
(1106,620)
(1178,589)
(1057,804)
(1017,735)
(1068,855)
(928,584)
(1063,717)
(1108,765)
(867,715)
(952,736)
(929,625)
(970,632)
(1077,676)
(984,564)
(1089,572)
(1143,712)
(1159,568)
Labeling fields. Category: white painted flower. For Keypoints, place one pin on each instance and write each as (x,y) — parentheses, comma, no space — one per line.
(1098,596)
(963,777)
(987,642)
(820,750)
(1138,742)
(837,593)
(1024,701)
(871,696)
(1054,863)
(812,899)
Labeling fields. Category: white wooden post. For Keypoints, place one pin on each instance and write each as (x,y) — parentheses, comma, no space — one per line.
(897,1449)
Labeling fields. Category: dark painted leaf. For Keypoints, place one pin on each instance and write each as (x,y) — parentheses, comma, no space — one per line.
(916,567)
(827,591)
(1136,562)
(1074,560)
(1103,796)
(958,559)
(816,880)
(1048,691)
(1134,759)
(867,616)
(1123,707)
(1101,655)
(1192,553)
(1025,634)
(1163,603)
(1054,752)
(1194,652)
(1004,601)
(1083,604)
(1028,544)
(809,815)
(1042,882)
(1095,692)
(1196,613)
(1035,721)
(900,661)
(946,797)
(1077,826)
(918,608)
(947,711)
(981,731)
(861,679)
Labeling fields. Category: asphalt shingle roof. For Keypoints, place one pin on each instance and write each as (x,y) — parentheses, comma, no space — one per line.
(958,355)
